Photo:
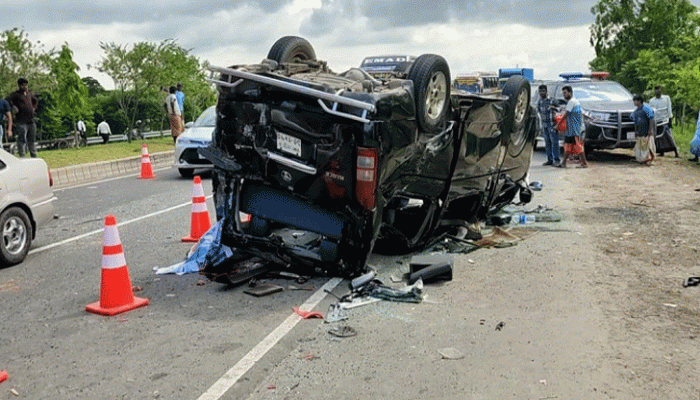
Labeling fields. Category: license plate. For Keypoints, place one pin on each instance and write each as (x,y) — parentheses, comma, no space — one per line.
(289,144)
(631,136)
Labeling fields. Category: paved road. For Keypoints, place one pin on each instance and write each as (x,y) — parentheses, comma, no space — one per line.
(202,342)
(175,348)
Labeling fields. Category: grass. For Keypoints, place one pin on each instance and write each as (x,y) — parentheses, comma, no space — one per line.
(683,133)
(104,152)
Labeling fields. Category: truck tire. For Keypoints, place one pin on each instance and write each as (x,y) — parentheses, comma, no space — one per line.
(431,84)
(517,88)
(289,49)
(15,236)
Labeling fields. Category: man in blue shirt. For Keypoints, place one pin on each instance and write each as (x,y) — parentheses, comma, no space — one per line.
(644,129)
(181,101)
(545,107)
(573,145)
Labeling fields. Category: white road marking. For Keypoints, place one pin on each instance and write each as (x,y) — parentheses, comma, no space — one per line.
(220,387)
(84,235)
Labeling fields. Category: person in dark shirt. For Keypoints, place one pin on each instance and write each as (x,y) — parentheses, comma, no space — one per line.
(5,112)
(24,103)
(644,129)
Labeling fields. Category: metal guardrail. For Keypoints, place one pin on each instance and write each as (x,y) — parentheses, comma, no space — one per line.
(120,138)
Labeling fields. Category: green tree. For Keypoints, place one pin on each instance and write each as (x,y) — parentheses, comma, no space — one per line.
(644,43)
(143,72)
(20,58)
(70,93)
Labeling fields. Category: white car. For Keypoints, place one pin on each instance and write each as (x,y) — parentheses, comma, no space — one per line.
(197,134)
(26,202)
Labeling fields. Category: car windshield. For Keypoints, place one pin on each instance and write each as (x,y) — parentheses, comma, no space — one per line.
(601,91)
(207,118)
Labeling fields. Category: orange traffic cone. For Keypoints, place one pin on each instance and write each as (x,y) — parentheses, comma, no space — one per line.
(146,168)
(200,216)
(116,295)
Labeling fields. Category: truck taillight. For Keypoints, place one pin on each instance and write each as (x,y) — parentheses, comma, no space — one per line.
(366,182)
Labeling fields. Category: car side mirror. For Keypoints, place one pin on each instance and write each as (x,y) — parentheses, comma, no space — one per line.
(189,124)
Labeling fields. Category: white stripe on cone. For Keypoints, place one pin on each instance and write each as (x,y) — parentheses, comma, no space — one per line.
(113,261)
(199,207)
(111,236)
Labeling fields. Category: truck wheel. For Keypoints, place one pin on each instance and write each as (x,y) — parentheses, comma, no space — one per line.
(16,231)
(517,88)
(289,49)
(431,84)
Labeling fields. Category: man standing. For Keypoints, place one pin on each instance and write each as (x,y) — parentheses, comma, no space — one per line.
(644,128)
(104,131)
(662,104)
(573,145)
(545,108)
(181,102)
(80,130)
(173,110)
(25,104)
(5,112)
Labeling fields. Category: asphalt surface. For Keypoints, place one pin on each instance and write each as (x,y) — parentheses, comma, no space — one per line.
(203,340)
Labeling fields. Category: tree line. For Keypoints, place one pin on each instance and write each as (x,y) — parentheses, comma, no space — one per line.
(645,43)
(141,73)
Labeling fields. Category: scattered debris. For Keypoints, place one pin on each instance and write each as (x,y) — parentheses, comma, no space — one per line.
(14,391)
(208,252)
(335,313)
(407,294)
(670,305)
(271,387)
(500,237)
(136,288)
(691,281)
(363,280)
(430,268)
(536,185)
(201,282)
(307,314)
(357,302)
(3,376)
(482,321)
(343,331)
(500,326)
(310,357)
(263,290)
(450,353)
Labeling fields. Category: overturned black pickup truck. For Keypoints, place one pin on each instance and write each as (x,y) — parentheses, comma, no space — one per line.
(326,165)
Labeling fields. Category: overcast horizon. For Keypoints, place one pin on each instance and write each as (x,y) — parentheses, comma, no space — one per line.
(473,35)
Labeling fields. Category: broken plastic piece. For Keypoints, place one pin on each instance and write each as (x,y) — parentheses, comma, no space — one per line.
(691,281)
(307,314)
(3,376)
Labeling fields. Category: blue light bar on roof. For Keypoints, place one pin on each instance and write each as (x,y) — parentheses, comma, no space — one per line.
(571,75)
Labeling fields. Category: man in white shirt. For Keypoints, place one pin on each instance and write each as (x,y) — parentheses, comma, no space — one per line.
(661,104)
(104,131)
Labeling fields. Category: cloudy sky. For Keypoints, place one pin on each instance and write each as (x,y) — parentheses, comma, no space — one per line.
(550,36)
